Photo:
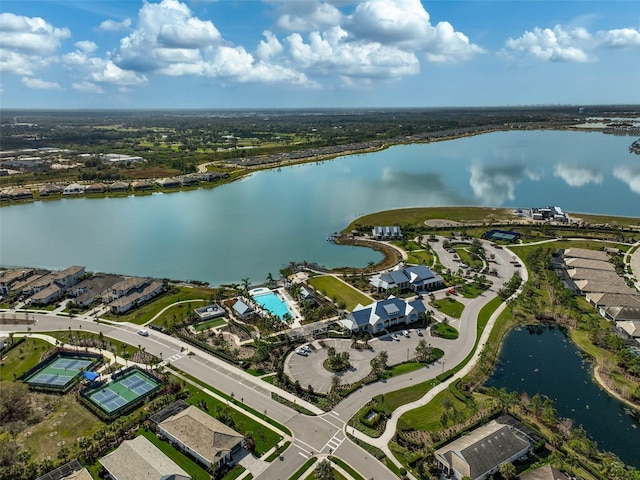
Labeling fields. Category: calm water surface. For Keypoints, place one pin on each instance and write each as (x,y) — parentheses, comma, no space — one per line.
(543,360)
(258,225)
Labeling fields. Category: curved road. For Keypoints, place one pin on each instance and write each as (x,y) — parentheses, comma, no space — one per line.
(311,435)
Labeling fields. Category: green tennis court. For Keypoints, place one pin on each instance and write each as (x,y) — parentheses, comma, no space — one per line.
(60,372)
(123,391)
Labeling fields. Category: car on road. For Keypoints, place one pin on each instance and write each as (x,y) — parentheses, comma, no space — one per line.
(395,336)
(419,332)
(302,352)
(405,333)
(143,332)
(306,348)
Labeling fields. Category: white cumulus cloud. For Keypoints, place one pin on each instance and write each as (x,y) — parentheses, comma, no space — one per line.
(87,87)
(556,44)
(28,44)
(620,38)
(406,24)
(39,84)
(86,46)
(308,15)
(114,26)
(495,184)
(578,176)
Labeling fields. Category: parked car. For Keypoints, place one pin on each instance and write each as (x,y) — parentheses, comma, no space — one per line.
(306,348)
(405,333)
(419,332)
(302,352)
(395,336)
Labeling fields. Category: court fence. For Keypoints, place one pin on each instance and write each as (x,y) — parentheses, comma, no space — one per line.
(97,409)
(59,353)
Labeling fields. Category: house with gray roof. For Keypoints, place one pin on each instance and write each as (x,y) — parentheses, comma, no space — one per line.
(592,286)
(10,277)
(480,453)
(69,471)
(586,253)
(588,263)
(613,300)
(242,310)
(380,315)
(206,439)
(387,233)
(210,312)
(415,278)
(622,314)
(546,472)
(629,328)
(139,459)
(46,295)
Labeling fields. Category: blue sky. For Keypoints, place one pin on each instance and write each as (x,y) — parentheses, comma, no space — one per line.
(313,53)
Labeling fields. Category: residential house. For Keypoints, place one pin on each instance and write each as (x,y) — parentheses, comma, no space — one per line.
(416,278)
(210,312)
(387,233)
(73,189)
(10,277)
(142,185)
(188,180)
(119,187)
(168,182)
(93,288)
(137,297)
(96,188)
(50,189)
(380,315)
(18,193)
(47,295)
(588,263)
(206,439)
(546,472)
(69,277)
(622,314)
(211,176)
(591,286)
(629,328)
(242,310)
(124,287)
(306,295)
(613,300)
(480,453)
(591,274)
(69,471)
(139,459)
(586,253)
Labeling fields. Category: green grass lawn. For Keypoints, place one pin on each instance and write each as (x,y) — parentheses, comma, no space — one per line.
(445,331)
(420,215)
(469,290)
(122,349)
(216,322)
(420,257)
(468,258)
(448,306)
(347,468)
(148,311)
(22,358)
(392,400)
(343,293)
(403,368)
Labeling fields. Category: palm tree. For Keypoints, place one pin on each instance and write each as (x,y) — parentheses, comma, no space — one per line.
(245,284)
(323,471)
(270,278)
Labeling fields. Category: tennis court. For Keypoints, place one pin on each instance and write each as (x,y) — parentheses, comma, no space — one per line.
(60,372)
(123,391)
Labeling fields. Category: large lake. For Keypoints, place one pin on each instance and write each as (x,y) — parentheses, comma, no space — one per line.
(541,359)
(256,226)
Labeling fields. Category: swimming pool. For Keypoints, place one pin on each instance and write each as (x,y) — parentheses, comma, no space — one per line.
(270,301)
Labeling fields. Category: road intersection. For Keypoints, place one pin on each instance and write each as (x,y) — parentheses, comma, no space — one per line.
(316,435)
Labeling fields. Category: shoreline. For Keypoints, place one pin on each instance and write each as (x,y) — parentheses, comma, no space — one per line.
(270,165)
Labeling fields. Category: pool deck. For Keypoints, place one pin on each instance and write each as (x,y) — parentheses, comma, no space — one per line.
(289,302)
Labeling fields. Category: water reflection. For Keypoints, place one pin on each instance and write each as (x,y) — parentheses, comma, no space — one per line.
(629,175)
(494,184)
(578,175)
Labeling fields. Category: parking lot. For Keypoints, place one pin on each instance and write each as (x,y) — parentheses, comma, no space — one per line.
(308,370)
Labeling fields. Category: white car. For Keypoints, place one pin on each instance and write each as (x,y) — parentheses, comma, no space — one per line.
(301,352)
(306,348)
(405,333)
(395,336)
(143,332)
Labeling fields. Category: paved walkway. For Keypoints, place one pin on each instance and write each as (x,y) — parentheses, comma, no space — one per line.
(634,264)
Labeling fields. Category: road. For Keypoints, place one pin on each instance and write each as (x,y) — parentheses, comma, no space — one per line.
(312,435)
